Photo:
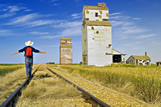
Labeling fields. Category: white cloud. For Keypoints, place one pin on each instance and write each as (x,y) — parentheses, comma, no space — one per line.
(131,36)
(40,22)
(132,30)
(39,33)
(31,20)
(28,10)
(3,31)
(10,11)
(119,17)
(121,23)
(117,13)
(146,36)
(52,2)
(69,29)
(49,37)
(6,33)
(6,15)
(126,27)
(23,19)
(13,8)
(136,18)
(76,15)
(75,31)
(67,24)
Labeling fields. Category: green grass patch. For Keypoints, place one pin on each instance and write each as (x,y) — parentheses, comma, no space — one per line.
(10,64)
(6,68)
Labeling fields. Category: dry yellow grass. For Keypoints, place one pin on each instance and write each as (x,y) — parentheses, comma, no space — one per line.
(143,82)
(6,68)
(10,82)
(47,90)
(109,96)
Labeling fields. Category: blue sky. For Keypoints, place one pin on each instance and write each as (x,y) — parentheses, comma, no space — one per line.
(136,27)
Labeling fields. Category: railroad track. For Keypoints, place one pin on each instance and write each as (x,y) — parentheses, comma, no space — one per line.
(89,98)
(12,99)
(92,99)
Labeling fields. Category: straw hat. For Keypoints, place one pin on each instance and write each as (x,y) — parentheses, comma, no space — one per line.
(29,43)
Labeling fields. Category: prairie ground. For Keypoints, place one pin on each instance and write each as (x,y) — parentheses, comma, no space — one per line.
(46,90)
(141,82)
(11,80)
(6,68)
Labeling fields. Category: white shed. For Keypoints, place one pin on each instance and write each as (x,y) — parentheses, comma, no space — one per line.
(118,57)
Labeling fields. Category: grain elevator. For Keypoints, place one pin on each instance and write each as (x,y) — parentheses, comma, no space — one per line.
(96,36)
(65,50)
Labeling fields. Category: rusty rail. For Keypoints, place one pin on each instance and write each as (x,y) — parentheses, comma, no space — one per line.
(98,102)
(11,100)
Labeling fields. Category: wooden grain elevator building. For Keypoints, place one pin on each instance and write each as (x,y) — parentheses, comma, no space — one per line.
(65,51)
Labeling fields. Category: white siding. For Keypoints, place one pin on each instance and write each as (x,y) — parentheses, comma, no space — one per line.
(92,17)
(143,62)
(98,45)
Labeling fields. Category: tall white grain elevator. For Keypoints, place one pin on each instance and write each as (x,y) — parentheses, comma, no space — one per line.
(96,36)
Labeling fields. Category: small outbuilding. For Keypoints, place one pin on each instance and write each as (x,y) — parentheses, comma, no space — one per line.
(158,63)
(139,60)
(118,57)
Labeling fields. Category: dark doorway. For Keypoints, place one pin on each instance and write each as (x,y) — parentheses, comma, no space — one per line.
(116,58)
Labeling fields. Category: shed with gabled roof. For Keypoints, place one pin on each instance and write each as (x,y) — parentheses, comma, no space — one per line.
(118,57)
(139,60)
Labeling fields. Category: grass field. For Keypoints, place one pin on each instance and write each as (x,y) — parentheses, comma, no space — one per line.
(10,80)
(48,90)
(6,68)
(143,82)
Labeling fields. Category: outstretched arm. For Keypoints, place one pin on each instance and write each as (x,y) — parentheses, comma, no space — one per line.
(42,52)
(15,53)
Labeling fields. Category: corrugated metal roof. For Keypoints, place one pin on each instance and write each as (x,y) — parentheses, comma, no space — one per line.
(141,57)
(98,23)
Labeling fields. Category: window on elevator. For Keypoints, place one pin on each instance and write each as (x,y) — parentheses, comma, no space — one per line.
(96,14)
